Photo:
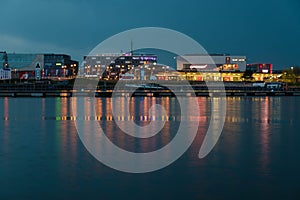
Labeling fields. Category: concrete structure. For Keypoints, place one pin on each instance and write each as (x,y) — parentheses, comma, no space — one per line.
(211,62)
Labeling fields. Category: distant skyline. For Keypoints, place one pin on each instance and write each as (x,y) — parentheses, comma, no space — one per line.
(264,31)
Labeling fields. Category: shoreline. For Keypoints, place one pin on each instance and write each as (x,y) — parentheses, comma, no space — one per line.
(148,93)
(107,89)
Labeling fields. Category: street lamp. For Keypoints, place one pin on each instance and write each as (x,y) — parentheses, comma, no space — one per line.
(64,68)
(72,67)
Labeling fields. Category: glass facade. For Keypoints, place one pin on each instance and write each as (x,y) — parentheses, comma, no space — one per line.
(19,61)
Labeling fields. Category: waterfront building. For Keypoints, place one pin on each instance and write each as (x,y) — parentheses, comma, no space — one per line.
(52,65)
(5,73)
(111,66)
(260,68)
(214,76)
(211,62)
(59,65)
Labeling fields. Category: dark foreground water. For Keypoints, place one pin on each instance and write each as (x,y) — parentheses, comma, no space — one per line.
(256,157)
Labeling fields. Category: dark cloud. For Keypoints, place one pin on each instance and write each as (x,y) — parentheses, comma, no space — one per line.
(265,31)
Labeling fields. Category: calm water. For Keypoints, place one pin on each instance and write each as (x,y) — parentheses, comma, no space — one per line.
(256,157)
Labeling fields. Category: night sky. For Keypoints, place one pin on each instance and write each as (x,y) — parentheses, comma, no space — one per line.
(264,31)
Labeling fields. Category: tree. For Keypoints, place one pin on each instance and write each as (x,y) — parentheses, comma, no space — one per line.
(288,76)
(296,70)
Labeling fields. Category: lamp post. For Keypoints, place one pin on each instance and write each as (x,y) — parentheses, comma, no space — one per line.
(75,71)
(64,68)
(72,71)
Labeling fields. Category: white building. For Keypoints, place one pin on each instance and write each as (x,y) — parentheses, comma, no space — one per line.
(5,74)
(211,62)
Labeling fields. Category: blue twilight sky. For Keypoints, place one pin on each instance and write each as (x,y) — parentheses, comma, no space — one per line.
(264,31)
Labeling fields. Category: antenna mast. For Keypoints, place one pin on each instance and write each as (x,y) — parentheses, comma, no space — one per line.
(131,48)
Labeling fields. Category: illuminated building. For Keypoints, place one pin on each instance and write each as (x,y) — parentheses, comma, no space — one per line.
(260,68)
(214,76)
(52,65)
(111,66)
(59,65)
(211,62)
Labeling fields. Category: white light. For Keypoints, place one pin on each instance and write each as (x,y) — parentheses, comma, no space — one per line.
(198,66)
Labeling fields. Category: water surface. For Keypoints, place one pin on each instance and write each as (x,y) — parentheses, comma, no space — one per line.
(256,157)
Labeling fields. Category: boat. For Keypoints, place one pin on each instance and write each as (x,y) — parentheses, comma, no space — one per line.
(147,86)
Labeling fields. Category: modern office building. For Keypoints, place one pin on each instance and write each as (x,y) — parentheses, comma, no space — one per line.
(59,65)
(260,68)
(52,65)
(211,62)
(111,66)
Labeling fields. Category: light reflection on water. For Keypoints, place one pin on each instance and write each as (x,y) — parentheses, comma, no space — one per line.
(256,155)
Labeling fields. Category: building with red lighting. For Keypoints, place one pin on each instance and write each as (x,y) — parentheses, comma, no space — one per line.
(260,68)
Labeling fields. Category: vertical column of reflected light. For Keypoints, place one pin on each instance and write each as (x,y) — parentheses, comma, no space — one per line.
(57,122)
(64,128)
(167,132)
(43,119)
(88,103)
(265,133)
(6,124)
